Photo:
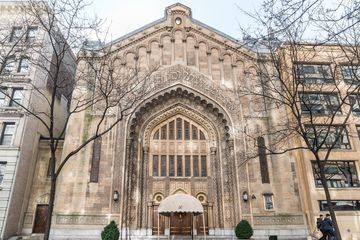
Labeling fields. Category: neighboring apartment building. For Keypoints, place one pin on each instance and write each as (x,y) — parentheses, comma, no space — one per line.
(20,132)
(330,74)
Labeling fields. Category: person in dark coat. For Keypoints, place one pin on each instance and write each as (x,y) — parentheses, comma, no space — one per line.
(318,225)
(327,227)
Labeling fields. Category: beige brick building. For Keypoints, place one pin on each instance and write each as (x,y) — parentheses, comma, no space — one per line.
(188,136)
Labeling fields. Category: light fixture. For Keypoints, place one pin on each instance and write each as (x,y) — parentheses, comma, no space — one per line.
(116,196)
(245,196)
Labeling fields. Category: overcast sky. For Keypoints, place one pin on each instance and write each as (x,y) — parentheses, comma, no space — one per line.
(124,16)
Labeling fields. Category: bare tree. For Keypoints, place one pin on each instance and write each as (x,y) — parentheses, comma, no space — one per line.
(314,103)
(103,85)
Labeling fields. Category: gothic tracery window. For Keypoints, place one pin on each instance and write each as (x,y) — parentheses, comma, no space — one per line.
(179,148)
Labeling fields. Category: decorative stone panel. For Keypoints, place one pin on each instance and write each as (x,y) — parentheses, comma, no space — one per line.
(279,220)
(82,219)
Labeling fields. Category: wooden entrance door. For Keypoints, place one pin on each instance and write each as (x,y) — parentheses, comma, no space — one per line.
(180,224)
(40,218)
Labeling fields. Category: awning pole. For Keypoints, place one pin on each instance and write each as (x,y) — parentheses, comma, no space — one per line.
(192,226)
(169,226)
(158,225)
(204,225)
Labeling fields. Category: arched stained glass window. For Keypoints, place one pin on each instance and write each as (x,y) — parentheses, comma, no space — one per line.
(179,148)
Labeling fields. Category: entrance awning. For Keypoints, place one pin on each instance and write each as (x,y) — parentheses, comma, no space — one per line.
(180,203)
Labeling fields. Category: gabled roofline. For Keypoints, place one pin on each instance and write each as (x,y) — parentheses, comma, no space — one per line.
(163,19)
(136,31)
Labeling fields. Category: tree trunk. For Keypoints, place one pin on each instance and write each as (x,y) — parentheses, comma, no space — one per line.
(52,195)
(328,198)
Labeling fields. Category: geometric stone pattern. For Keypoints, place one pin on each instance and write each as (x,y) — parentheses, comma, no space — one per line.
(82,219)
(279,220)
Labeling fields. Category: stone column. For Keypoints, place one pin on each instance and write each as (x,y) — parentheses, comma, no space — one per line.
(234,76)
(222,77)
(211,218)
(126,190)
(161,49)
(148,52)
(185,48)
(197,57)
(227,187)
(143,187)
(218,223)
(149,218)
(208,53)
(172,40)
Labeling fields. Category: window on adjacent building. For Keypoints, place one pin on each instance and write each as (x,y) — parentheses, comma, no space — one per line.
(339,174)
(314,73)
(16,97)
(23,65)
(2,97)
(31,34)
(7,133)
(351,74)
(9,65)
(325,136)
(355,103)
(15,34)
(268,201)
(319,103)
(2,171)
(341,205)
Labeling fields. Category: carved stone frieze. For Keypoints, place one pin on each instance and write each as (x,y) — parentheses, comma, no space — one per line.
(279,220)
(175,186)
(63,219)
(187,76)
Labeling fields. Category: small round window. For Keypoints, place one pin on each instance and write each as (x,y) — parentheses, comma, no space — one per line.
(178,21)
(201,197)
(158,197)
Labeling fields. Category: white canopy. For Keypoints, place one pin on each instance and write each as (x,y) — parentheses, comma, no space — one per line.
(180,203)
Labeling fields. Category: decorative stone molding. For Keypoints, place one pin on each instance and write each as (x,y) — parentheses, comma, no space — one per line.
(279,220)
(63,219)
(189,77)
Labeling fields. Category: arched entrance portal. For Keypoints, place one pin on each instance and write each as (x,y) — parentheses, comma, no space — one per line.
(179,154)
(178,143)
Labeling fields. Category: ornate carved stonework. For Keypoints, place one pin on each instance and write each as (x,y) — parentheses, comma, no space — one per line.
(279,220)
(187,76)
(174,186)
(82,219)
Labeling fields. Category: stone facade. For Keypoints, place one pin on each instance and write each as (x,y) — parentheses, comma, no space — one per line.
(197,84)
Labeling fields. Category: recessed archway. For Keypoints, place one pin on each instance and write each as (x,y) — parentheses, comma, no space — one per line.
(154,121)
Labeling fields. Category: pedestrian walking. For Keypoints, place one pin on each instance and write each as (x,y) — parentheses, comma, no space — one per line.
(318,225)
(328,227)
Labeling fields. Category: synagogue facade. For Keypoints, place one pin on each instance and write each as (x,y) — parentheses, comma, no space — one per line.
(190,135)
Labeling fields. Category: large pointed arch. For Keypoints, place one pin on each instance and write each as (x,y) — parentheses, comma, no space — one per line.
(175,100)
